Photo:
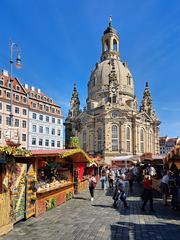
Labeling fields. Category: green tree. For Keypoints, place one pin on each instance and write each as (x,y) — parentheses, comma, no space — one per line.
(74,142)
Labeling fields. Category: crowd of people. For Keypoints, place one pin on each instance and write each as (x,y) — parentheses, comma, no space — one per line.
(121,181)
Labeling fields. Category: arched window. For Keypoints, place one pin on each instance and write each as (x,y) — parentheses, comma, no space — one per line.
(115,45)
(142,140)
(115,138)
(128,139)
(106,45)
(99,139)
(84,140)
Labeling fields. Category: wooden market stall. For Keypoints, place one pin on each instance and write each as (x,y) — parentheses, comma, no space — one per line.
(156,161)
(172,158)
(59,174)
(13,202)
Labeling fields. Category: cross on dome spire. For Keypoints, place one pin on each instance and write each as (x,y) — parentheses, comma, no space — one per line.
(110,21)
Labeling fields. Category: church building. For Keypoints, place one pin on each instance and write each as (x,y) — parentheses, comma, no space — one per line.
(111,123)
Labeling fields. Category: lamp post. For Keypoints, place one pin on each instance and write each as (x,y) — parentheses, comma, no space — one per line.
(12,134)
(13,47)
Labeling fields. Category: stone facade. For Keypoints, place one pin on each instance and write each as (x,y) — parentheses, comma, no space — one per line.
(111,123)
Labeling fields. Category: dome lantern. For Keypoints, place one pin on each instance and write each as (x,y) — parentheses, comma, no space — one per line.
(110,43)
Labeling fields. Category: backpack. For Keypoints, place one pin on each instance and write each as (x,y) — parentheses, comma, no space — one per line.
(92,184)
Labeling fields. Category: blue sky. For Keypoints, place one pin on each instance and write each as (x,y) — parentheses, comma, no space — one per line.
(61,42)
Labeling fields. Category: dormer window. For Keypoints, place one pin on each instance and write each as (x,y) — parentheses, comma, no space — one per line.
(128,79)
(17,88)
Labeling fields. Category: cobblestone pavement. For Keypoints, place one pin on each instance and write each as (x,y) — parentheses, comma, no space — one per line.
(79,219)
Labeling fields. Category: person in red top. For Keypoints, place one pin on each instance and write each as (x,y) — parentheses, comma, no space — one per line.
(147,193)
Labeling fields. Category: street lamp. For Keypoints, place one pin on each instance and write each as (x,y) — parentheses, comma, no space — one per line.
(12,133)
(13,47)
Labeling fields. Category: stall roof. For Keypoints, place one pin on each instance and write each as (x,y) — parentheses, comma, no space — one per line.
(77,154)
(125,158)
(174,154)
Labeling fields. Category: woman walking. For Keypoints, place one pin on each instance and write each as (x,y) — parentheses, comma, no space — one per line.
(92,185)
(148,193)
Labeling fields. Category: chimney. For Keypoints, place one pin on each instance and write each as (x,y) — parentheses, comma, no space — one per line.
(5,72)
(39,90)
(26,85)
(32,88)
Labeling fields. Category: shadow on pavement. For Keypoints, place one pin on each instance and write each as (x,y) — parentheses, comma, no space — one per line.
(135,231)
(81,198)
(102,206)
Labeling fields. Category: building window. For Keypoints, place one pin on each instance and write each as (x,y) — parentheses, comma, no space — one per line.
(59,132)
(0,105)
(34,128)
(40,142)
(34,105)
(59,121)
(47,143)
(58,144)
(115,138)
(53,110)
(41,117)
(0,134)
(34,115)
(142,141)
(47,130)
(8,121)
(114,45)
(8,94)
(47,118)
(17,97)
(17,110)
(41,107)
(128,79)
(84,140)
(53,120)
(0,119)
(47,109)
(16,123)
(128,139)
(40,129)
(8,108)
(99,139)
(114,99)
(33,141)
(17,88)
(24,112)
(53,131)
(24,137)
(24,99)
(24,124)
(1,83)
(52,143)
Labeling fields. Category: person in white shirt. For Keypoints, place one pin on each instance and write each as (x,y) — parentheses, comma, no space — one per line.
(165,187)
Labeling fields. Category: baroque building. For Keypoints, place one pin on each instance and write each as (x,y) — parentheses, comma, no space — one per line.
(111,123)
(36,119)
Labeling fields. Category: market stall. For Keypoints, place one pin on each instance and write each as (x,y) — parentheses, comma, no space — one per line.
(172,158)
(11,204)
(58,174)
(156,162)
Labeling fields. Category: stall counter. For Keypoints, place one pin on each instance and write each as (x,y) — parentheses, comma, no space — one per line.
(53,197)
